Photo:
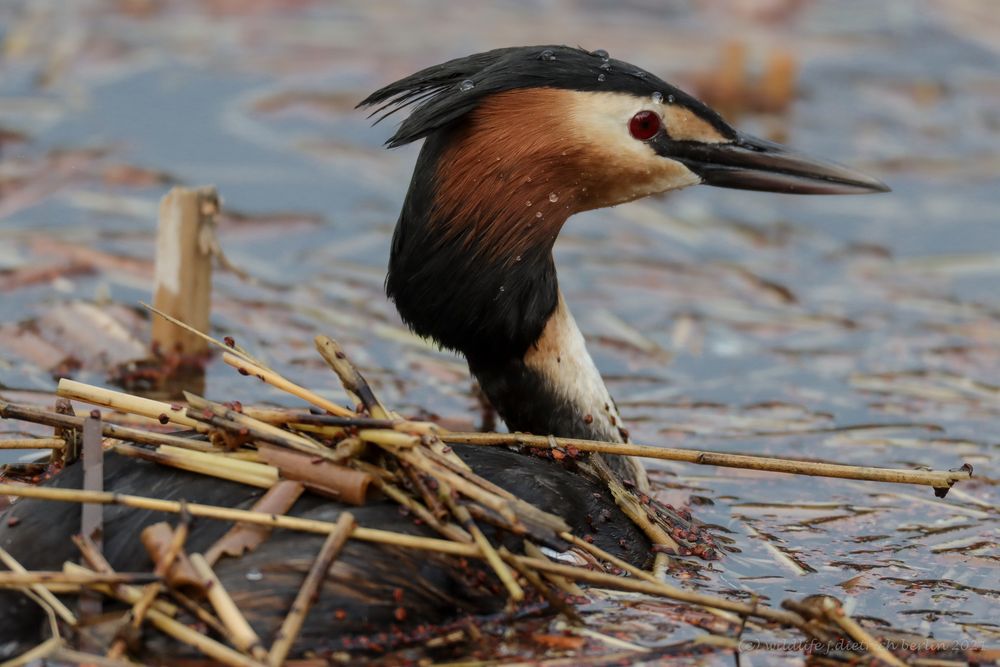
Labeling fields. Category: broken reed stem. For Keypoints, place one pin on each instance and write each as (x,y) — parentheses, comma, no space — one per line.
(238,629)
(44,578)
(468,489)
(934,478)
(33,443)
(171,627)
(46,595)
(633,508)
(570,572)
(270,377)
(834,613)
(449,530)
(260,475)
(150,592)
(116,400)
(547,591)
(245,425)
(292,624)
(487,550)
(50,418)
(198,611)
(36,655)
(350,377)
(662,590)
(246,516)
(234,348)
(600,553)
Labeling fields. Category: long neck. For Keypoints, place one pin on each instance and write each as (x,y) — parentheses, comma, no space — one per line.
(468,268)
(554,388)
(476,274)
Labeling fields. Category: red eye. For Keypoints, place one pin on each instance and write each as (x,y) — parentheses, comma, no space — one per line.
(644,125)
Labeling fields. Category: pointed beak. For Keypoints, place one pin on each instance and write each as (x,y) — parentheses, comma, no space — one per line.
(749,163)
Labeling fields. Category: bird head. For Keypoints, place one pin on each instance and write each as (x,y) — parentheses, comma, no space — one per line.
(519,139)
(602,129)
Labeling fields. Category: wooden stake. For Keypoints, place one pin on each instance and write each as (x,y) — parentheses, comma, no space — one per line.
(182,285)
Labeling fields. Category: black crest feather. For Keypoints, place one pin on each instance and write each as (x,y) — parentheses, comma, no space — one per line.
(446,92)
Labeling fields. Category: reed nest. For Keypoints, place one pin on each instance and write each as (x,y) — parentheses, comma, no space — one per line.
(346,454)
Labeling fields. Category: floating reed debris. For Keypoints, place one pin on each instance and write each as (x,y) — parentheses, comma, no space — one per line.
(342,454)
(232,514)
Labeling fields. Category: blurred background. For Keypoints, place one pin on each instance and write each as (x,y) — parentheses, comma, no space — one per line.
(863,330)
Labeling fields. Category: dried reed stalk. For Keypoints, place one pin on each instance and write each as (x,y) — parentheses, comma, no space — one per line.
(292,624)
(350,378)
(165,547)
(536,582)
(487,550)
(834,613)
(164,564)
(44,578)
(234,348)
(116,400)
(270,377)
(238,629)
(936,479)
(171,627)
(328,479)
(662,590)
(262,476)
(254,427)
(74,424)
(33,443)
(247,516)
(41,591)
(242,538)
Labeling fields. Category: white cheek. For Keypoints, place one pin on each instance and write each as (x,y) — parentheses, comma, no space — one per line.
(665,175)
(633,168)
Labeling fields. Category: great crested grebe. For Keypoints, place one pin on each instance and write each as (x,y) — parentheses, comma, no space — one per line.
(516,140)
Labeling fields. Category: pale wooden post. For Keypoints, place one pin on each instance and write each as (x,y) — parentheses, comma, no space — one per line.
(182,285)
